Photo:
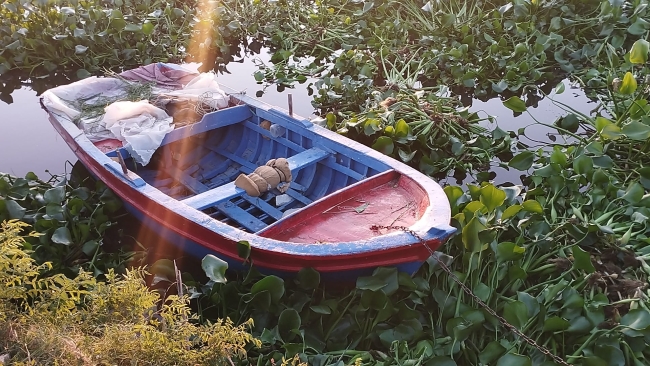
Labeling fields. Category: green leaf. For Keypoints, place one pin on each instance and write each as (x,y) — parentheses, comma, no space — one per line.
(54,195)
(470,235)
(90,247)
(523,160)
(215,268)
(273,284)
(583,164)
(15,210)
(558,157)
(308,278)
(148,28)
(406,157)
(556,324)
(634,193)
(639,52)
(132,27)
(516,313)
(384,279)
(83,73)
(500,87)
(582,260)
(243,249)
(509,251)
(402,128)
(532,206)
(628,86)
(288,321)
(636,131)
(510,212)
(491,352)
(515,103)
(441,361)
(559,88)
(511,359)
(62,236)
(454,193)
(532,304)
(635,320)
(384,144)
(492,197)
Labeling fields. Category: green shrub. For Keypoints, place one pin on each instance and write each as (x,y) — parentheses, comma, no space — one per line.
(58,320)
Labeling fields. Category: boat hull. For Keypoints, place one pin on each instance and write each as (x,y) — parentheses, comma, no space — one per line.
(198,235)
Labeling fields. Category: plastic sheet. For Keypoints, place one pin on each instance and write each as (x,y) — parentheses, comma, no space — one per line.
(140,126)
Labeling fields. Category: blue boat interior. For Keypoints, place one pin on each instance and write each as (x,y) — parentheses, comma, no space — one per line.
(197,164)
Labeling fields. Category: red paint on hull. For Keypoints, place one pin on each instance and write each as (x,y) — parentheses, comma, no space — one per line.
(354,212)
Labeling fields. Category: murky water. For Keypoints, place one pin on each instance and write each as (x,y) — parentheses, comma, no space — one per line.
(29,143)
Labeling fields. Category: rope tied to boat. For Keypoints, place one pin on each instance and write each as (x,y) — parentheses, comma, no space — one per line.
(266,177)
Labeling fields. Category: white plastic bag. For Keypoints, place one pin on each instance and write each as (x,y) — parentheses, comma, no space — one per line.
(140,125)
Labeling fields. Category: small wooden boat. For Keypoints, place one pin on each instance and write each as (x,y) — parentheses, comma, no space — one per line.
(348,209)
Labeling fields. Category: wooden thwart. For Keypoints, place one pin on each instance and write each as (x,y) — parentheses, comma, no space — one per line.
(229,190)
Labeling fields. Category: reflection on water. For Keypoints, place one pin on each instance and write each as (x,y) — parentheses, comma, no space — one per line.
(29,143)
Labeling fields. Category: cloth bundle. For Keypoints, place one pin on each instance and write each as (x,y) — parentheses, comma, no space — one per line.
(266,177)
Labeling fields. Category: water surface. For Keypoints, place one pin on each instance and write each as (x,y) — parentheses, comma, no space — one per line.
(28,142)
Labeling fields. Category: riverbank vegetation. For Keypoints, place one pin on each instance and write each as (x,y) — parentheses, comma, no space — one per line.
(561,257)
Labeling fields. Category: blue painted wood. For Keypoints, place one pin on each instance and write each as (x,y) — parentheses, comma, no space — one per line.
(210,121)
(216,195)
(264,206)
(242,217)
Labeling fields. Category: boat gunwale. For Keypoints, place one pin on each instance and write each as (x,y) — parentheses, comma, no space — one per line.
(432,226)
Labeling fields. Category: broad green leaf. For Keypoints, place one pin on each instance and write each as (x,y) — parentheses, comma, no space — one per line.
(492,197)
(491,352)
(583,164)
(62,236)
(612,354)
(90,247)
(384,144)
(636,319)
(384,279)
(15,210)
(532,206)
(273,284)
(515,313)
(454,193)
(582,260)
(558,157)
(163,268)
(511,359)
(470,235)
(215,268)
(532,304)
(308,278)
(628,86)
(523,160)
(148,28)
(405,156)
(636,131)
(634,193)
(516,104)
(243,249)
(54,195)
(402,128)
(556,324)
(510,212)
(509,251)
(288,321)
(83,73)
(639,52)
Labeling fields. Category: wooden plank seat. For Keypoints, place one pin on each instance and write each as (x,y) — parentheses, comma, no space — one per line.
(227,191)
